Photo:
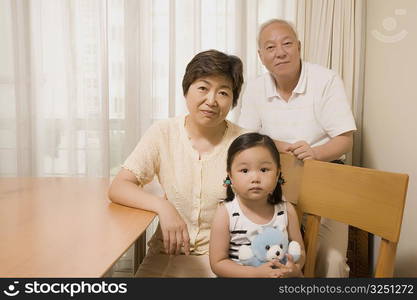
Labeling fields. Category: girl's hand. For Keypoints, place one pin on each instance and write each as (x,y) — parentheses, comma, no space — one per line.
(267,270)
(290,269)
(174,230)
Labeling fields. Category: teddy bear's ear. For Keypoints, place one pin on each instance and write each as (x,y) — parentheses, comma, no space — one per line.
(252,234)
(280,227)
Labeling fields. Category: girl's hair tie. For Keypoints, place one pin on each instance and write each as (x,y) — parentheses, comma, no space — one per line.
(227,182)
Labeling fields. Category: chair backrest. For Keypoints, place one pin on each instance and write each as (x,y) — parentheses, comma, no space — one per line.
(292,172)
(368,199)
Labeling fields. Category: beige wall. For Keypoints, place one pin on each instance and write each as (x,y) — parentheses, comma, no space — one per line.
(390,108)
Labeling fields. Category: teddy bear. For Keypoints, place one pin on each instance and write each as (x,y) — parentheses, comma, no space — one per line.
(267,244)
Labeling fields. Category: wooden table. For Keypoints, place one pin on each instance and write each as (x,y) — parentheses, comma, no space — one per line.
(63,227)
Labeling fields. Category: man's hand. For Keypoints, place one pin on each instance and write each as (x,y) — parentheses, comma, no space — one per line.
(282,146)
(302,150)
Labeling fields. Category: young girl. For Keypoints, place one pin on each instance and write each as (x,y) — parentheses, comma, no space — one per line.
(254,200)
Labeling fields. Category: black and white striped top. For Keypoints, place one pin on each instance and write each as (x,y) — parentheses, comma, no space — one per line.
(240,225)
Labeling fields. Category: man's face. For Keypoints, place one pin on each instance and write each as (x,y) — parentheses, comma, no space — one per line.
(279,50)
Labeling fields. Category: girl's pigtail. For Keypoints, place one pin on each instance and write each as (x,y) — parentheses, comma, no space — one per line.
(276,196)
(229,192)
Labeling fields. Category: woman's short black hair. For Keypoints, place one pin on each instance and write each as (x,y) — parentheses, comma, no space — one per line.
(213,62)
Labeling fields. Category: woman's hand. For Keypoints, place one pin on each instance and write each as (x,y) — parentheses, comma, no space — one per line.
(290,269)
(174,230)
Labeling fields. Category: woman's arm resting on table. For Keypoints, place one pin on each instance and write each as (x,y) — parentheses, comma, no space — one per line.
(125,190)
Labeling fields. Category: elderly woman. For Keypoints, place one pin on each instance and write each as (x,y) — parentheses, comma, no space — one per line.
(188,154)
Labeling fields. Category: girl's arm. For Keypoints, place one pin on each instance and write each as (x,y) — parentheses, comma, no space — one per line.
(292,269)
(220,263)
(125,190)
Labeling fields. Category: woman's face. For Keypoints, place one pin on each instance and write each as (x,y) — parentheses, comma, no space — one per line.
(209,100)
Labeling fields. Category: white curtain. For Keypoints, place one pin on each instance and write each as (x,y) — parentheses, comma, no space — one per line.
(55,89)
(81,80)
(332,34)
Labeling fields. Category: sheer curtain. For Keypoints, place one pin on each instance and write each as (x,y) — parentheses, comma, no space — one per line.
(55,91)
(81,80)
(332,34)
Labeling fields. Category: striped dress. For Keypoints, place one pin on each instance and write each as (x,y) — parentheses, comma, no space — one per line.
(240,225)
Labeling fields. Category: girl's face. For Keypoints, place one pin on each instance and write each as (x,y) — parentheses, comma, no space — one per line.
(254,174)
(209,100)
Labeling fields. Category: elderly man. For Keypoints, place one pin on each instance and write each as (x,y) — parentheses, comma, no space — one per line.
(303,107)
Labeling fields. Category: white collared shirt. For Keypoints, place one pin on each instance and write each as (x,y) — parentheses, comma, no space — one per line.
(317,110)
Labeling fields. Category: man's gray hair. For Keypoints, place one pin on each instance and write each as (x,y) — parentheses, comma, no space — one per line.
(272,21)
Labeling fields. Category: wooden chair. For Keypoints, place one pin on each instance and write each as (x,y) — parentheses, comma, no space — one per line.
(292,172)
(368,199)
